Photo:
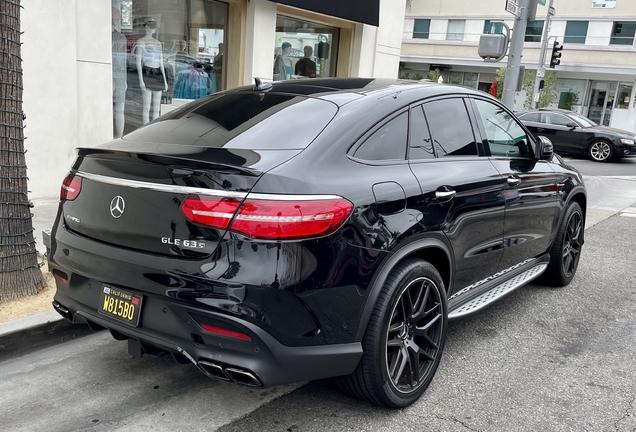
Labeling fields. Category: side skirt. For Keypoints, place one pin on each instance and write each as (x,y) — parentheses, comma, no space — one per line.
(481,294)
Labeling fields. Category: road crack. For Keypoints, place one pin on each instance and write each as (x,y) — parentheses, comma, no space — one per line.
(456,420)
(626,414)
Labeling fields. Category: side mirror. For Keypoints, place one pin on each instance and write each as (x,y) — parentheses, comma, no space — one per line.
(572,126)
(544,149)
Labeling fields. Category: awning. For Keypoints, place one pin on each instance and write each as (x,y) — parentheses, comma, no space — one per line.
(362,11)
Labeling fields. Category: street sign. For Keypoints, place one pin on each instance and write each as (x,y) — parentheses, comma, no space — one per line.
(552,11)
(542,2)
(513,8)
(541,73)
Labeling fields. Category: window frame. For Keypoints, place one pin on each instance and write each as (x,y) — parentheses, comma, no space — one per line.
(540,35)
(377,126)
(616,40)
(463,33)
(472,120)
(532,144)
(488,25)
(427,33)
(420,106)
(577,37)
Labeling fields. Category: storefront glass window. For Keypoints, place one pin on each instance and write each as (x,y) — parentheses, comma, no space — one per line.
(624,96)
(164,50)
(304,49)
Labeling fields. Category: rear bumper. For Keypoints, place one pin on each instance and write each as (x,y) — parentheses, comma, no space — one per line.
(301,328)
(169,327)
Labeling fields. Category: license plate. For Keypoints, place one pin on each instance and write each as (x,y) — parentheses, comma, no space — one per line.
(120,305)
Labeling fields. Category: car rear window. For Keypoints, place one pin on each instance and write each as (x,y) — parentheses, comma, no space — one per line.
(254,121)
(530,117)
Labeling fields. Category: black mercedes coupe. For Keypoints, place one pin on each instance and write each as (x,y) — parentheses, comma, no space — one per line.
(574,134)
(295,231)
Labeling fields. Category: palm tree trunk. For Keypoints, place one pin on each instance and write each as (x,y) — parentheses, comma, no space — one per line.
(20,273)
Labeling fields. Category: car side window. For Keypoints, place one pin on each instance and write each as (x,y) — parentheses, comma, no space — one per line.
(505,136)
(556,119)
(451,129)
(420,142)
(531,117)
(387,143)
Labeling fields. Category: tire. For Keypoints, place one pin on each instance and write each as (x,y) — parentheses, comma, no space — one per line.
(601,151)
(385,375)
(566,249)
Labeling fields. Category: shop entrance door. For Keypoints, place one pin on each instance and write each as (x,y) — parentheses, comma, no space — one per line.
(601,103)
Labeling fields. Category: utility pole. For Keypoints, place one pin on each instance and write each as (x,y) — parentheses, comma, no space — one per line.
(544,48)
(514,56)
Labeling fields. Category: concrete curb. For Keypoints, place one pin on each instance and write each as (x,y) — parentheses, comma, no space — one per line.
(25,335)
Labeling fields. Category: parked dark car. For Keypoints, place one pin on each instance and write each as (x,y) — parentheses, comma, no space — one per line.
(312,229)
(574,134)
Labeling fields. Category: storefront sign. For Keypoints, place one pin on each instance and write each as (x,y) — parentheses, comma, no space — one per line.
(599,4)
(362,11)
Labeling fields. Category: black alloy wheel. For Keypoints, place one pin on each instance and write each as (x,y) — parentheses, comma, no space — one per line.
(572,244)
(566,249)
(601,151)
(414,335)
(405,337)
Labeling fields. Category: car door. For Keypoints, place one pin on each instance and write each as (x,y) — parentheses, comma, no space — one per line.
(461,190)
(531,188)
(558,128)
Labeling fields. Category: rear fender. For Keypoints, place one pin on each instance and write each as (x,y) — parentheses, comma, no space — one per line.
(431,241)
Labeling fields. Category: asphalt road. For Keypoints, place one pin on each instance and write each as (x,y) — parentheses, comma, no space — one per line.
(541,359)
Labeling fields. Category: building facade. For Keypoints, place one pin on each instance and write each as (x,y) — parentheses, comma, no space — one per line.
(598,68)
(95,70)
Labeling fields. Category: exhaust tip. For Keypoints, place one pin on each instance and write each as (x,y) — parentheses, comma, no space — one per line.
(243,377)
(213,370)
(62,310)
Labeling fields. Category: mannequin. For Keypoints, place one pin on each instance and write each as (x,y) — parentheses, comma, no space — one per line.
(306,66)
(120,75)
(152,76)
(217,68)
(283,64)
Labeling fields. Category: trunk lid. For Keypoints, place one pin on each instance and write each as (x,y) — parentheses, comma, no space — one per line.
(133,200)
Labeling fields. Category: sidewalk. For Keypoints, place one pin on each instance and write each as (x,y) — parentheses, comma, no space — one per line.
(44,213)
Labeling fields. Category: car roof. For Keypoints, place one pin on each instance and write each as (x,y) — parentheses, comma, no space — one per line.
(344,90)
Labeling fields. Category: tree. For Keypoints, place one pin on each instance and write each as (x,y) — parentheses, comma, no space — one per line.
(20,273)
(547,96)
(434,75)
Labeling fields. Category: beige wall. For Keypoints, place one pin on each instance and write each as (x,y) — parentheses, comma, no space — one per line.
(625,9)
(67,85)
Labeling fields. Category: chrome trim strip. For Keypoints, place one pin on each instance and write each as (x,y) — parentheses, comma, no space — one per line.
(285,197)
(135,184)
(160,187)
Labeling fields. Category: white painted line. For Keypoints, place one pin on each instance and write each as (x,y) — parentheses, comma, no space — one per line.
(630,210)
(631,215)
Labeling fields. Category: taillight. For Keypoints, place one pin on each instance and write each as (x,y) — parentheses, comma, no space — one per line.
(71,187)
(214,212)
(270,219)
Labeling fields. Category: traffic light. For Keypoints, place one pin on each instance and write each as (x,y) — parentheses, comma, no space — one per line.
(555,60)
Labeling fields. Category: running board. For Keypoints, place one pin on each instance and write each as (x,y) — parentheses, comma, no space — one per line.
(497,292)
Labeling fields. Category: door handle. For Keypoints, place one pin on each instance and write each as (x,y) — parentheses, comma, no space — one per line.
(446,194)
(540,129)
(513,181)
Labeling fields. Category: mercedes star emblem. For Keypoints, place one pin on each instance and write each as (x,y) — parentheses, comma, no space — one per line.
(117,207)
